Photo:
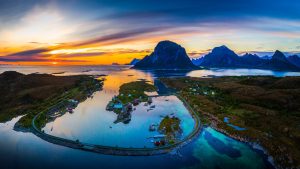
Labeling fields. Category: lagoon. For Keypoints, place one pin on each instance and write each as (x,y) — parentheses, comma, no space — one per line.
(90,123)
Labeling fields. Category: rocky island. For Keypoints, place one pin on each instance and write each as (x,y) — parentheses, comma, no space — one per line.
(130,94)
(170,126)
(166,55)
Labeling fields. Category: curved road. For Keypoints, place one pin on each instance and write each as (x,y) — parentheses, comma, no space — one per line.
(111,150)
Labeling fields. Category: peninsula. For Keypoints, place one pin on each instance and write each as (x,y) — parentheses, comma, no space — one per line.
(253,109)
(34,93)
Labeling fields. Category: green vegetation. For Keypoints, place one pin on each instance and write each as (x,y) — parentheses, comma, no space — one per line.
(169,125)
(135,90)
(268,107)
(35,93)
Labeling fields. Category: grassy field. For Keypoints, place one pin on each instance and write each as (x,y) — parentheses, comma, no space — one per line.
(34,93)
(268,107)
(135,90)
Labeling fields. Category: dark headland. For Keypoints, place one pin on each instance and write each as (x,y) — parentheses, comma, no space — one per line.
(166,55)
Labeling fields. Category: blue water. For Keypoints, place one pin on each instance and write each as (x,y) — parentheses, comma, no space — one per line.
(226,120)
(210,149)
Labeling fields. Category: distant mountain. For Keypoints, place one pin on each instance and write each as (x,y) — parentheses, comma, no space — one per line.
(197,61)
(134,61)
(10,75)
(251,60)
(223,57)
(280,62)
(295,60)
(166,55)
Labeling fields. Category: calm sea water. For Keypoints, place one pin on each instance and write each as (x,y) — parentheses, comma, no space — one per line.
(91,123)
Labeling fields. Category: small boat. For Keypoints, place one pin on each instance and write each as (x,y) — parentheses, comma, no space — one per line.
(152,107)
(149,100)
(156,143)
(152,127)
(70,110)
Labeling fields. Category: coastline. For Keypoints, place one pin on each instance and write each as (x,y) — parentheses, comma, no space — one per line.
(254,145)
(122,151)
(261,150)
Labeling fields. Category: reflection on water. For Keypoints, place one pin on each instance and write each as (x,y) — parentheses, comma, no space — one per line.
(240,72)
(105,69)
(92,123)
(210,150)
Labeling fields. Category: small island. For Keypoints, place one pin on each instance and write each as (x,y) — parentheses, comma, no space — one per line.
(130,94)
(170,127)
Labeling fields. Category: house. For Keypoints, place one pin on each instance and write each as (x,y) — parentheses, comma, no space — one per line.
(136,102)
(118,106)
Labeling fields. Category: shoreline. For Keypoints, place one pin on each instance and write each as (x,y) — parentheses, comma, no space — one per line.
(262,150)
(121,151)
(251,144)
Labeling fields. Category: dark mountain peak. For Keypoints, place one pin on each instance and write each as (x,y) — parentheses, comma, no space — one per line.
(222,50)
(280,62)
(169,49)
(295,60)
(278,55)
(134,61)
(220,56)
(10,75)
(166,44)
(250,55)
(166,55)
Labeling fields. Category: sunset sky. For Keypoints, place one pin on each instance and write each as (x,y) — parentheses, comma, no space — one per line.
(103,32)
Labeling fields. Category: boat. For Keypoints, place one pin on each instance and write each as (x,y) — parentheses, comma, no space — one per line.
(156,143)
(70,110)
(152,127)
(136,102)
(149,100)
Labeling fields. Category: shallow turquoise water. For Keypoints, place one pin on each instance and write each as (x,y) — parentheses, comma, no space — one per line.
(215,150)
